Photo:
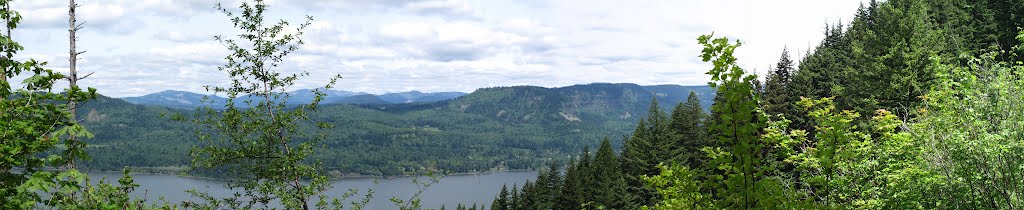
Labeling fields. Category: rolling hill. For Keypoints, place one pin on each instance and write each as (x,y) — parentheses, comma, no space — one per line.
(175,99)
(518,127)
(187,100)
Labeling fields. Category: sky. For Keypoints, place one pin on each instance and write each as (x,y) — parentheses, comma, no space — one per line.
(138,47)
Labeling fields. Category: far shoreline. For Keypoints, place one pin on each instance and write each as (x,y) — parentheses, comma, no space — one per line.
(145,172)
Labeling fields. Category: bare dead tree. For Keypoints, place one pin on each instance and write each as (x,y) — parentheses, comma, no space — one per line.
(73,78)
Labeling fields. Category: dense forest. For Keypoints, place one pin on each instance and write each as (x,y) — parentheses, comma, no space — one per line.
(491,129)
(913,104)
(188,101)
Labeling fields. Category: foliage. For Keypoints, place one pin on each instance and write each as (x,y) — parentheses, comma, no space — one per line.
(34,119)
(971,126)
(679,188)
(843,167)
(961,149)
(739,161)
(262,146)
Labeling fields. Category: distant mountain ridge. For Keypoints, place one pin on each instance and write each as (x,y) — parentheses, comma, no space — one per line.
(188,100)
(367,99)
(590,102)
(175,99)
(517,127)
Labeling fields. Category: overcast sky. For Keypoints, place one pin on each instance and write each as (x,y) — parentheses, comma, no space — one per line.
(137,47)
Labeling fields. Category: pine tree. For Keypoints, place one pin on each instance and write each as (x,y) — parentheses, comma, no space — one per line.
(529,196)
(586,171)
(820,73)
(778,97)
(515,201)
(652,143)
(636,151)
(553,186)
(541,191)
(502,201)
(893,44)
(689,126)
(571,194)
(610,185)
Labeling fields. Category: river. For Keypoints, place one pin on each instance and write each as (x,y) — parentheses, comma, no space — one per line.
(450,191)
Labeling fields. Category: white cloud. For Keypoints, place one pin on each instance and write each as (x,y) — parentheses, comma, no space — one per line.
(455,41)
(451,9)
(205,53)
(177,8)
(143,46)
(113,16)
(181,36)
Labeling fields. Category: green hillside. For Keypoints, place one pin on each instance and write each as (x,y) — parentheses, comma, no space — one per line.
(514,127)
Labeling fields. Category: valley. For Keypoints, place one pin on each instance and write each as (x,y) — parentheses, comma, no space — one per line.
(491,129)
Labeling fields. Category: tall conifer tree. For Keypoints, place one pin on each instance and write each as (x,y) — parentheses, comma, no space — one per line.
(778,97)
(689,126)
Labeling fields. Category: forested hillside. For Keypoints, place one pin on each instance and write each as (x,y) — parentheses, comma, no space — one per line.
(187,100)
(490,129)
(912,105)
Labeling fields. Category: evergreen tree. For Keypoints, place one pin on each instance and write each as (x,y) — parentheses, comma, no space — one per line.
(571,194)
(553,186)
(1009,19)
(689,126)
(529,196)
(540,189)
(586,171)
(652,143)
(894,43)
(502,201)
(515,200)
(610,186)
(821,72)
(639,152)
(778,96)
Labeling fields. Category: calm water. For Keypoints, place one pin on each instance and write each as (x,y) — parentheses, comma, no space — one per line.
(450,191)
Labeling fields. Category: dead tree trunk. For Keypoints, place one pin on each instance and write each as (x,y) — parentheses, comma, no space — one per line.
(73,27)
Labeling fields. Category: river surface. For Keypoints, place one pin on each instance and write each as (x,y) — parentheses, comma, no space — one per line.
(450,191)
